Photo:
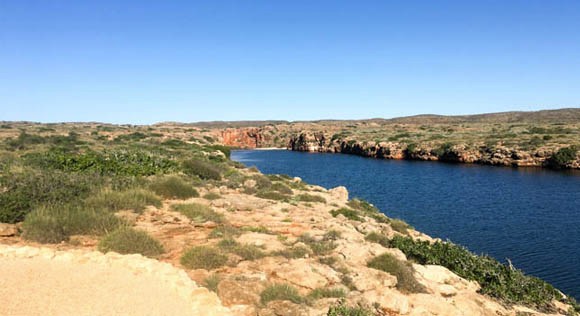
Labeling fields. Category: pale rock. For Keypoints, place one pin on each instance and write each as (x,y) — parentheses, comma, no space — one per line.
(8,230)
(340,193)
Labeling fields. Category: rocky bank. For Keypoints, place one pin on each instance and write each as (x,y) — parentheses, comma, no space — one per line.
(300,244)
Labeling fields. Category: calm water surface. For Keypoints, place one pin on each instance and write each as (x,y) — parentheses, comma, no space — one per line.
(530,216)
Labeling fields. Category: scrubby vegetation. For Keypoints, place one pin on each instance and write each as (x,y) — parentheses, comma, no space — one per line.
(406,281)
(173,187)
(283,292)
(203,257)
(198,212)
(56,223)
(127,240)
(497,280)
(132,199)
(341,309)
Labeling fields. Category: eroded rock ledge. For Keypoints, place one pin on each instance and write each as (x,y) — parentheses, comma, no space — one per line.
(460,153)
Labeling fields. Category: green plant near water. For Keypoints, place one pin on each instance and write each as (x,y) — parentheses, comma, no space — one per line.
(404,272)
(127,240)
(497,280)
(379,239)
(348,213)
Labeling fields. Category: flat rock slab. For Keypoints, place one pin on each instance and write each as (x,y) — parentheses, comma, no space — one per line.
(96,284)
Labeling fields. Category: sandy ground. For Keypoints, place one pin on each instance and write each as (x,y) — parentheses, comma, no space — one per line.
(42,286)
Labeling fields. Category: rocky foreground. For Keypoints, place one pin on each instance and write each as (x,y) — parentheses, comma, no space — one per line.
(298,244)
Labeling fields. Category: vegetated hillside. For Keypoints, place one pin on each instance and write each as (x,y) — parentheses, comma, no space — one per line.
(540,139)
(265,244)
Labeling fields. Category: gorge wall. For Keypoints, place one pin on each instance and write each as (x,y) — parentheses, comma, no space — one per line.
(460,153)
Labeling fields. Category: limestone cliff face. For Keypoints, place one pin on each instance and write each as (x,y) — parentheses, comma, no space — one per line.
(250,137)
(499,155)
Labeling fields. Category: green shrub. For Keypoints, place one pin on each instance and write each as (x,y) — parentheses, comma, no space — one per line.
(342,310)
(404,271)
(118,162)
(212,282)
(132,199)
(310,198)
(496,280)
(562,157)
(202,169)
(127,240)
(262,181)
(24,191)
(281,188)
(379,239)
(173,187)
(368,209)
(280,292)
(319,293)
(348,213)
(400,226)
(56,223)
(198,212)
(247,252)
(271,195)
(203,257)
(212,196)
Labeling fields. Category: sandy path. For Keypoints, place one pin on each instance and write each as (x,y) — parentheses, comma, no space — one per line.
(44,282)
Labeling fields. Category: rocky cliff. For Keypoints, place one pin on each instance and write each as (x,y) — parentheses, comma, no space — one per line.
(460,153)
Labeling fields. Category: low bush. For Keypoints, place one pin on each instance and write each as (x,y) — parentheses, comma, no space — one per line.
(310,198)
(281,188)
(22,192)
(342,309)
(400,226)
(379,239)
(198,212)
(173,187)
(127,240)
(496,279)
(562,157)
(212,282)
(202,169)
(56,223)
(203,257)
(246,251)
(319,293)
(404,271)
(132,199)
(280,292)
(118,162)
(212,196)
(271,195)
(348,213)
(368,209)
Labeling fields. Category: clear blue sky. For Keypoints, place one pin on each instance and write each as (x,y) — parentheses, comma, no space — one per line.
(150,61)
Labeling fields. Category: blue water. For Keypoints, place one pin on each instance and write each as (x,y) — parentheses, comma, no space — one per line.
(531,216)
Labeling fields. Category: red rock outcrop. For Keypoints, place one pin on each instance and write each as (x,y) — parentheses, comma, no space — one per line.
(250,137)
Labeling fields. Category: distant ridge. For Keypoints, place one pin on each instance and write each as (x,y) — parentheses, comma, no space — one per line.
(566,115)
